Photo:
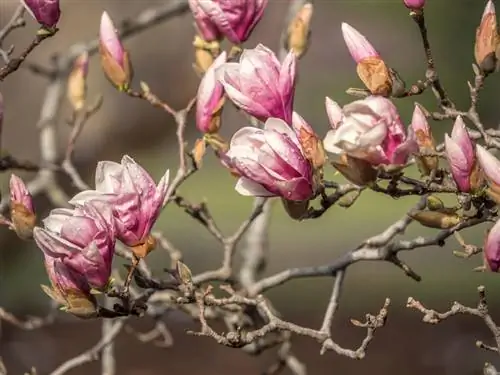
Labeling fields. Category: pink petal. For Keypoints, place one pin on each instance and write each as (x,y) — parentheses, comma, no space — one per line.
(489,163)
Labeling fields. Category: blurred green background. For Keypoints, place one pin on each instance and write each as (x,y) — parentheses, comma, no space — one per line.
(162,57)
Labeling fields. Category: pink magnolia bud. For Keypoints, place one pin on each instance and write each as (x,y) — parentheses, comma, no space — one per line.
(260,85)
(77,82)
(370,130)
(22,212)
(485,48)
(83,239)
(334,112)
(114,58)
(461,157)
(235,19)
(492,247)
(134,197)
(206,27)
(270,162)
(489,164)
(414,4)
(425,141)
(210,99)
(69,289)
(45,12)
(371,69)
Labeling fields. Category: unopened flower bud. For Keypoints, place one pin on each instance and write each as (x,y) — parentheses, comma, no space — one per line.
(371,69)
(45,12)
(22,212)
(299,31)
(435,219)
(184,273)
(487,41)
(358,171)
(114,58)
(414,4)
(425,140)
(434,203)
(492,248)
(77,82)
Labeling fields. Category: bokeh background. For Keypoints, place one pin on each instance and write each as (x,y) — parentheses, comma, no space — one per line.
(162,56)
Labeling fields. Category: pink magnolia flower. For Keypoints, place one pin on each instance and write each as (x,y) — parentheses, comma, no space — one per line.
(133,195)
(461,156)
(489,164)
(370,130)
(260,85)
(69,289)
(210,98)
(235,19)
(114,57)
(82,239)
(359,47)
(45,12)
(492,247)
(22,212)
(414,4)
(270,162)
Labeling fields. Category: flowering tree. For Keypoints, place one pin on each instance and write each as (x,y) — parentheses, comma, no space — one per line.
(278,156)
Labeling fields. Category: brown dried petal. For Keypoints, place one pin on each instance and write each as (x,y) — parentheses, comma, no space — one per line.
(119,76)
(23,220)
(375,75)
(486,37)
(356,170)
(313,148)
(199,151)
(296,210)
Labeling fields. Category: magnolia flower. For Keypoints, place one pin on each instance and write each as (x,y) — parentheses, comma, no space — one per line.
(260,85)
(133,195)
(371,69)
(45,12)
(492,247)
(461,157)
(114,58)
(69,289)
(425,141)
(210,99)
(22,212)
(414,4)
(270,162)
(370,130)
(83,239)
(235,19)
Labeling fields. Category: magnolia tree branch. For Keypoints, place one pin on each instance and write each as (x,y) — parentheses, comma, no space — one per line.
(252,323)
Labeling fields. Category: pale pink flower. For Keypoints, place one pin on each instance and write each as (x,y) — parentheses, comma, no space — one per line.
(461,156)
(489,164)
(492,247)
(83,239)
(260,85)
(45,12)
(370,129)
(133,194)
(235,19)
(270,162)
(359,47)
(210,94)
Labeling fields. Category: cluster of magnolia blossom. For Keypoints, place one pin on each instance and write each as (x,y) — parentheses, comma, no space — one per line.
(78,244)
(281,157)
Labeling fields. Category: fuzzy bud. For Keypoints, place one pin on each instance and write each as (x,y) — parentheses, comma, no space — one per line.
(77,82)
(486,49)
(299,31)
(22,212)
(435,219)
(425,140)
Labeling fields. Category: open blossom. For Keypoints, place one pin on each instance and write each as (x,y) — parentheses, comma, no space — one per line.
(425,141)
(83,239)
(461,157)
(22,212)
(69,289)
(371,69)
(114,58)
(134,196)
(270,162)
(235,19)
(46,12)
(210,99)
(369,129)
(492,247)
(260,85)
(485,48)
